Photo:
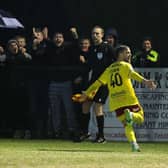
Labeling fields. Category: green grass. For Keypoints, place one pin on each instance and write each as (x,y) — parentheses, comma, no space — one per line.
(66,154)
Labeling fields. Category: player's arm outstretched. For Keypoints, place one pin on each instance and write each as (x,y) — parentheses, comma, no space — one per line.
(90,92)
(148,82)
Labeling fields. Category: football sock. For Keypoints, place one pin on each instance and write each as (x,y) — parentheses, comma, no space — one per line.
(100,125)
(85,122)
(130,134)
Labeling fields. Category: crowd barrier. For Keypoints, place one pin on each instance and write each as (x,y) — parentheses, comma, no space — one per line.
(39,72)
(155,103)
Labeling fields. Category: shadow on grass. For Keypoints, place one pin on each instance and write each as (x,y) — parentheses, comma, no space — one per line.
(75,150)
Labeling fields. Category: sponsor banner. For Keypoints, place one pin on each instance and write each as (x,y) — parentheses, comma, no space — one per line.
(155,104)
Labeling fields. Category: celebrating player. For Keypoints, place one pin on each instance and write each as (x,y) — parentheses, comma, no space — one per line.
(122,96)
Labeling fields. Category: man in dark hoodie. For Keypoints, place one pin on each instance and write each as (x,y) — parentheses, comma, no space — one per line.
(16,89)
(111,37)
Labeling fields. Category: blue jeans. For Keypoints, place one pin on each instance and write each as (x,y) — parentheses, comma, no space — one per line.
(61,93)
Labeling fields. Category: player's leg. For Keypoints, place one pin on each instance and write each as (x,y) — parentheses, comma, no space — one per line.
(134,114)
(128,117)
(129,131)
(138,117)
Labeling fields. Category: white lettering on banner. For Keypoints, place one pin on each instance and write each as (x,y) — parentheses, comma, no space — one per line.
(155,104)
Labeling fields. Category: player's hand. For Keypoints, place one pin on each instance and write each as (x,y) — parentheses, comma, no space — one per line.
(150,84)
(80,98)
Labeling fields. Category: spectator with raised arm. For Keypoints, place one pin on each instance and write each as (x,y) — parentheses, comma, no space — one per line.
(60,89)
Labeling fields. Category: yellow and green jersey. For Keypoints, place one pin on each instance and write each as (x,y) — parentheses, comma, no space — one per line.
(118,78)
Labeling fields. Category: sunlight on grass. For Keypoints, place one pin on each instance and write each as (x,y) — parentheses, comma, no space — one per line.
(62,154)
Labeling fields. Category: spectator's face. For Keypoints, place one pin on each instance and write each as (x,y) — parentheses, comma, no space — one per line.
(147,45)
(58,39)
(97,35)
(21,42)
(84,45)
(13,48)
(110,39)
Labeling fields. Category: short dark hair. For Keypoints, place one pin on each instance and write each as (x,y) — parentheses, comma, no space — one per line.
(120,49)
(98,27)
(19,37)
(58,33)
(84,38)
(38,29)
(147,38)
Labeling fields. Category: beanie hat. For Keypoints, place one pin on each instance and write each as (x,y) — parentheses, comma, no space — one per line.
(111,31)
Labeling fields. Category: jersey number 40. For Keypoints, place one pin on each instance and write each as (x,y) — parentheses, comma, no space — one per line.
(116,80)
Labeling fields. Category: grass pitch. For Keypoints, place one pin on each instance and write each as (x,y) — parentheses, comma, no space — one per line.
(66,154)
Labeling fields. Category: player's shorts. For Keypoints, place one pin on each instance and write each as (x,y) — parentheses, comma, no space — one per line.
(101,95)
(133,108)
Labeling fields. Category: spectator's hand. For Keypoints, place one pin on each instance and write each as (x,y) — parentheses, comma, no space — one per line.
(36,41)
(45,32)
(82,59)
(78,80)
(1,50)
(22,49)
(73,30)
(34,32)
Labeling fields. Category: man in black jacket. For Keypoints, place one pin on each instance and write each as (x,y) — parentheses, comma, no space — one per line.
(147,56)
(60,89)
